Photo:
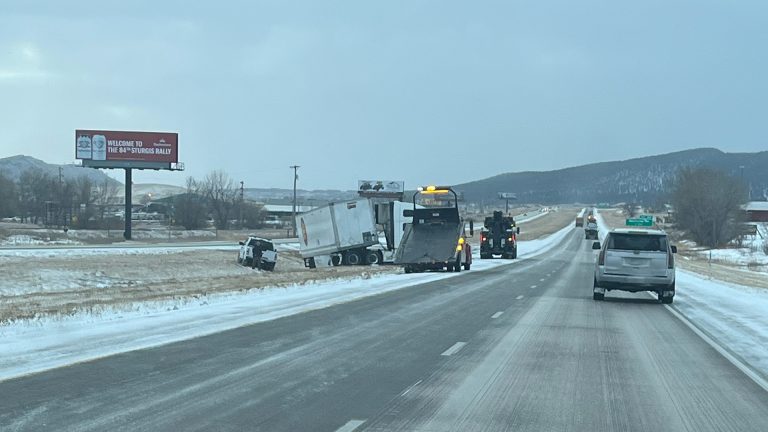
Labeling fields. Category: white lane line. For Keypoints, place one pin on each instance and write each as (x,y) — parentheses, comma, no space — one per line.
(735,361)
(350,426)
(542,279)
(497,314)
(533,286)
(454,349)
(410,388)
(519,297)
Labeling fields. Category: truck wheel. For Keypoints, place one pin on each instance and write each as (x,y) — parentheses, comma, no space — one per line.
(457,266)
(371,257)
(408,269)
(336,260)
(667,300)
(466,266)
(598,296)
(449,268)
(352,258)
(514,254)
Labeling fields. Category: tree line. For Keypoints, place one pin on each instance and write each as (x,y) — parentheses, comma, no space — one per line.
(216,196)
(40,198)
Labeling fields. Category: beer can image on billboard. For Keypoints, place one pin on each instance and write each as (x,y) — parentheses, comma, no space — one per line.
(84,147)
(99,145)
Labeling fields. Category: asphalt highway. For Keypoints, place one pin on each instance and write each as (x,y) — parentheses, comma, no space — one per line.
(520,348)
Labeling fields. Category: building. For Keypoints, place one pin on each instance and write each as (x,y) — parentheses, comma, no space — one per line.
(757,211)
(281,215)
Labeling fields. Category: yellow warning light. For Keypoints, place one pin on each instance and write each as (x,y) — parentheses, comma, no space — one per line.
(431,188)
(458,248)
(461,240)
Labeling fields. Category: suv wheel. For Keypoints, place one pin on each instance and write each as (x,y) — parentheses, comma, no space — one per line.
(598,296)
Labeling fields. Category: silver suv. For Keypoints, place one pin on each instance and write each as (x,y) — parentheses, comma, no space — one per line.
(635,260)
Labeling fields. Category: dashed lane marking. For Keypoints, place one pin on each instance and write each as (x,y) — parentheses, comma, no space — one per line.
(454,349)
(350,426)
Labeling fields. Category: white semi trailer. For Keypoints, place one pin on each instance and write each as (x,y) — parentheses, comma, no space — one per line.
(341,231)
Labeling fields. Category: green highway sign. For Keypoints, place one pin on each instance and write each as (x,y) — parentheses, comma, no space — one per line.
(646,217)
(639,222)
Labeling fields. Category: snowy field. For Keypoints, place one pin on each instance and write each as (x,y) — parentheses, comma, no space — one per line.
(35,345)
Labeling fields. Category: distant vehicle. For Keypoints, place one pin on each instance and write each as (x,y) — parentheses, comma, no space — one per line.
(635,260)
(436,239)
(590,231)
(499,237)
(343,230)
(258,253)
(579,221)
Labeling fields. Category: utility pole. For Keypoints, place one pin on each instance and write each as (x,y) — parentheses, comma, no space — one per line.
(241,203)
(295,178)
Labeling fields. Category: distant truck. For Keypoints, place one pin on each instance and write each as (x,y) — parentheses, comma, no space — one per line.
(579,221)
(590,231)
(436,238)
(342,231)
(499,237)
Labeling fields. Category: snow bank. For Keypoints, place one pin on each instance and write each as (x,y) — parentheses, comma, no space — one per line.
(34,346)
(735,315)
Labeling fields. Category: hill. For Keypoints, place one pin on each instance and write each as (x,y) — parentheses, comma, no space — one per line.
(642,180)
(13,167)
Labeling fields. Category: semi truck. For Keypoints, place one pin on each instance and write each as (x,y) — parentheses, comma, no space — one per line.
(341,232)
(436,237)
(499,237)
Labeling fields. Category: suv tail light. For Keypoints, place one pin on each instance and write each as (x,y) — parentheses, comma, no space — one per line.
(670,260)
(601,257)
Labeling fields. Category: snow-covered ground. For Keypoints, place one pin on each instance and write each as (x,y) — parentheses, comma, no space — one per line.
(736,316)
(32,346)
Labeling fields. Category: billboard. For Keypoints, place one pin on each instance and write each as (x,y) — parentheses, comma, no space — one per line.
(380,187)
(507,195)
(123,149)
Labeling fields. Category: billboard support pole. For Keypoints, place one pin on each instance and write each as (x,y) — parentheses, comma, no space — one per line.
(128,199)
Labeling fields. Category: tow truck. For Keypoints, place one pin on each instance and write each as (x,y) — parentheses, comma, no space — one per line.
(436,238)
(499,237)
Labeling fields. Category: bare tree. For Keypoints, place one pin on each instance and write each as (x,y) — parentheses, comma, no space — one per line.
(9,197)
(106,194)
(189,208)
(708,205)
(254,215)
(221,194)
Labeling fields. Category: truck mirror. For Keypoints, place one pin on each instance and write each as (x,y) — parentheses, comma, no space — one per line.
(596,245)
(518,230)
(471,227)
(674,248)
(407,213)
(241,243)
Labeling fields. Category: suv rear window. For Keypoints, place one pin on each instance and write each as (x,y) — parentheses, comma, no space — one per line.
(655,243)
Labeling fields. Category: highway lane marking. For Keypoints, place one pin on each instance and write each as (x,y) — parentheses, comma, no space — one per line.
(497,314)
(533,286)
(454,349)
(542,279)
(728,356)
(410,388)
(350,426)
(519,297)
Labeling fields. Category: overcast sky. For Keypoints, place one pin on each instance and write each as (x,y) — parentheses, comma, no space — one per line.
(421,91)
